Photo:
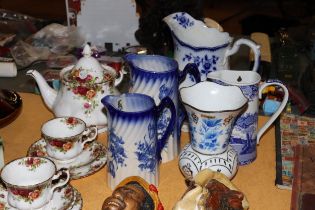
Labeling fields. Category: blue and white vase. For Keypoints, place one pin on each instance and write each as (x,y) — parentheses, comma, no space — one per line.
(208,48)
(191,162)
(158,77)
(212,110)
(133,146)
(245,134)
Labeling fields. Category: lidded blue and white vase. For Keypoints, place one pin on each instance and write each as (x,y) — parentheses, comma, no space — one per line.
(212,110)
(134,148)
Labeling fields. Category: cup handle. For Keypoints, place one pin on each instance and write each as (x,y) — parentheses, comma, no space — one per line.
(279,110)
(250,44)
(62,172)
(88,131)
(166,103)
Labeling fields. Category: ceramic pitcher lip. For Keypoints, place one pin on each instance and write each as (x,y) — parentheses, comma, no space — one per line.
(110,104)
(31,185)
(236,77)
(242,103)
(173,65)
(66,137)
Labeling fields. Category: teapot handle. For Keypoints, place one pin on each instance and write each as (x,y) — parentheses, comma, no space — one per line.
(121,74)
(281,107)
(166,103)
(250,44)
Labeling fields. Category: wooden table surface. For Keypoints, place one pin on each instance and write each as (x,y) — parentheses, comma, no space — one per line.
(255,180)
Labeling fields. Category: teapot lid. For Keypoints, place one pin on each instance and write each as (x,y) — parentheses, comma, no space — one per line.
(89,67)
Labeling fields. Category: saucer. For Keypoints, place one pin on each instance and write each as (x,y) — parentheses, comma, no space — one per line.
(92,159)
(77,202)
(64,198)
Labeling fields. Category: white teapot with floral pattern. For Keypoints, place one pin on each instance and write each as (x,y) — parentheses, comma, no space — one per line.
(82,87)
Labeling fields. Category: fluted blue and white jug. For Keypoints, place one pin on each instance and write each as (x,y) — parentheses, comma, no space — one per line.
(134,148)
(159,77)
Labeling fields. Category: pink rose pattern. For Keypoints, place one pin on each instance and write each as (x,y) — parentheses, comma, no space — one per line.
(87,88)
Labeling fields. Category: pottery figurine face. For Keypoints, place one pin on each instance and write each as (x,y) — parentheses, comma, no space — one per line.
(65,137)
(245,134)
(29,181)
(208,48)
(158,77)
(133,143)
(82,87)
(211,110)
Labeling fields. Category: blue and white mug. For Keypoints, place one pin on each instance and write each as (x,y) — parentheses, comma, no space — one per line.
(245,134)
(133,143)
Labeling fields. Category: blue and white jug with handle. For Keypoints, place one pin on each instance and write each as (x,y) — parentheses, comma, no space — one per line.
(134,148)
(208,48)
(158,76)
(245,134)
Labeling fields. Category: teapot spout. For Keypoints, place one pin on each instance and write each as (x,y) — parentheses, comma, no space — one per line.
(49,94)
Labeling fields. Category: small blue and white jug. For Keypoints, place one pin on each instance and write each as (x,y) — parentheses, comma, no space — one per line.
(133,143)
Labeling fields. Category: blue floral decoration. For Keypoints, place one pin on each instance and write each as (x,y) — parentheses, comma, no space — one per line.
(210,131)
(245,121)
(205,64)
(163,122)
(183,20)
(146,152)
(117,152)
(250,91)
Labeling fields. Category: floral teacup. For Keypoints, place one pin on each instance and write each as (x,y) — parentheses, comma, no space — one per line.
(65,137)
(29,181)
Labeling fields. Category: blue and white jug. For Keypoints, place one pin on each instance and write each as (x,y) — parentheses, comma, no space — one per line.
(159,77)
(208,48)
(245,135)
(134,148)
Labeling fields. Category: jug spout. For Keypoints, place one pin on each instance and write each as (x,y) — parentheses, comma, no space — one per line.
(49,94)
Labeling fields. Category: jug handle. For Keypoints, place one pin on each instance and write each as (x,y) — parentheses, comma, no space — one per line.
(166,103)
(250,44)
(192,69)
(121,73)
(281,107)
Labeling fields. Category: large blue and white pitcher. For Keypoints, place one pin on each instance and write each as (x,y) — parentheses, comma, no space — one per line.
(159,77)
(208,48)
(134,148)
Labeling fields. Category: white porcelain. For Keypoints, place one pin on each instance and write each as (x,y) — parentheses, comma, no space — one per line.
(91,160)
(207,47)
(82,88)
(63,199)
(29,181)
(66,136)
(212,110)
(245,134)
(133,146)
(191,162)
